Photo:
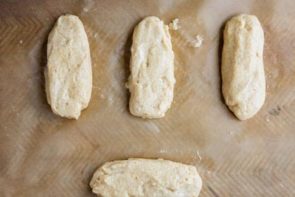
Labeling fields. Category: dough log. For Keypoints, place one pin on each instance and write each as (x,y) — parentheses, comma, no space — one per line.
(68,75)
(151,82)
(146,177)
(243,78)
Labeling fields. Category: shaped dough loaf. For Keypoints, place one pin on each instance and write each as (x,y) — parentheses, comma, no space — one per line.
(151,82)
(146,177)
(68,74)
(243,80)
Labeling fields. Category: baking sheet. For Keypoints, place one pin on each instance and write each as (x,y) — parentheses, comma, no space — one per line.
(42,154)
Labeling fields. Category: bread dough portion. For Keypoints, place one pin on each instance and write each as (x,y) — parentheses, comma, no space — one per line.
(146,177)
(243,78)
(68,74)
(151,82)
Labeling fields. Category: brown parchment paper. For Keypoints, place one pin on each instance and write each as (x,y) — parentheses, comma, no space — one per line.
(42,154)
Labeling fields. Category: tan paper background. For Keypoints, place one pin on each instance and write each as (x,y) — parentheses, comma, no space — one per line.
(42,154)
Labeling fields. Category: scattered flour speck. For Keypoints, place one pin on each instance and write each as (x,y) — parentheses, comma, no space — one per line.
(102,96)
(153,127)
(174,24)
(110,100)
(199,156)
(197,43)
(163,151)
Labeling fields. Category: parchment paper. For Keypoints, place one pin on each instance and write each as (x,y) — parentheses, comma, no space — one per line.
(42,154)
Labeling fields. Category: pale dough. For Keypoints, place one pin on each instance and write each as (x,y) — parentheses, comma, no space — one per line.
(146,177)
(151,81)
(243,78)
(68,74)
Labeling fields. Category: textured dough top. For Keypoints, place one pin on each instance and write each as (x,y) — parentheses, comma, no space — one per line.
(151,82)
(242,66)
(68,74)
(146,177)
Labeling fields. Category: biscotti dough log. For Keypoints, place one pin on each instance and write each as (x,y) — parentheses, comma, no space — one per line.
(68,74)
(151,82)
(243,80)
(146,177)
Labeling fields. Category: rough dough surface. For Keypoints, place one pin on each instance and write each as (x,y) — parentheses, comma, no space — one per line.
(146,177)
(151,82)
(243,78)
(68,74)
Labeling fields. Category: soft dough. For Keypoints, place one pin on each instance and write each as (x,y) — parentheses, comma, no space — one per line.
(146,177)
(243,80)
(68,74)
(151,82)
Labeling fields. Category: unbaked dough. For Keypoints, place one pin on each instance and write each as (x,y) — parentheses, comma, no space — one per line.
(151,81)
(68,74)
(243,78)
(146,177)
